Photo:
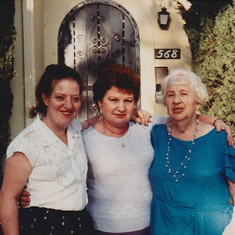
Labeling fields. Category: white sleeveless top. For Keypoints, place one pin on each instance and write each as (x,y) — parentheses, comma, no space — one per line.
(119,191)
(58,177)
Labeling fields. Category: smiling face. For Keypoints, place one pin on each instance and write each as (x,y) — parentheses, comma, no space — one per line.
(180,102)
(62,105)
(117,107)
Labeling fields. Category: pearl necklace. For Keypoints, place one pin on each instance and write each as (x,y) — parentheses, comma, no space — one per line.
(185,160)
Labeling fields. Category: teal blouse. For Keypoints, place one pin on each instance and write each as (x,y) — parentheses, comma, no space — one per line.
(199,202)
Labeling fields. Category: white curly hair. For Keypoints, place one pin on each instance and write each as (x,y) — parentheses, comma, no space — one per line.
(179,77)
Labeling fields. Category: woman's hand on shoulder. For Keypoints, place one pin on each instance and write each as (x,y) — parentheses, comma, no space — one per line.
(141,116)
(220,125)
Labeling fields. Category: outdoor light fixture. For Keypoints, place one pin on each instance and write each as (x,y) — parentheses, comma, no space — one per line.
(163,18)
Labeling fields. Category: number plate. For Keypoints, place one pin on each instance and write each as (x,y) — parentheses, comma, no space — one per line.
(167,53)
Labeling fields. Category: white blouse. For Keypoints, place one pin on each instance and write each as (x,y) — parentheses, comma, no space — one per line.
(58,177)
(119,191)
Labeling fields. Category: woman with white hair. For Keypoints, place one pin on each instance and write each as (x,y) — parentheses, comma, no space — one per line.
(193,172)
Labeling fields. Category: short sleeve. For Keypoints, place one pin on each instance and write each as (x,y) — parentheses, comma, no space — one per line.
(157,119)
(230,163)
(28,143)
(25,146)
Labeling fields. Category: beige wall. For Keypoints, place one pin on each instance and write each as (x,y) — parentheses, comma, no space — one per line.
(18,118)
(29,60)
(37,25)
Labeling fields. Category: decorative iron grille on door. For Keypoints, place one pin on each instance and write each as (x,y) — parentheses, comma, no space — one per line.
(93,35)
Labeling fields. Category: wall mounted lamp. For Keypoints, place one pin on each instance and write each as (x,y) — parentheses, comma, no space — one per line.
(163,18)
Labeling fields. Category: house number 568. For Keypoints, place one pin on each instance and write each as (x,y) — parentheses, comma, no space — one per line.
(167,53)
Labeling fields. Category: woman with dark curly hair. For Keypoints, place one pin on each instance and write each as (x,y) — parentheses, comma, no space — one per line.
(49,158)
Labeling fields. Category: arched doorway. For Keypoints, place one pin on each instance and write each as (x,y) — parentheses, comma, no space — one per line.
(93,35)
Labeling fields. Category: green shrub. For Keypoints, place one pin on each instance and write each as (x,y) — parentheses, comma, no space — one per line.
(7,35)
(211,31)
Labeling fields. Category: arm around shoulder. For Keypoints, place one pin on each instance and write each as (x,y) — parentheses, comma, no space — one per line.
(219,125)
(89,122)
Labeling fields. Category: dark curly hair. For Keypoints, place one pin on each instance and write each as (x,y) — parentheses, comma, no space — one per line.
(53,73)
(119,76)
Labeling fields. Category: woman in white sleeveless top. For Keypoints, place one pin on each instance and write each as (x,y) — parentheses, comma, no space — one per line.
(49,157)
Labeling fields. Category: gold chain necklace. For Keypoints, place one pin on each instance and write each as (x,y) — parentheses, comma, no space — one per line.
(115,134)
(185,160)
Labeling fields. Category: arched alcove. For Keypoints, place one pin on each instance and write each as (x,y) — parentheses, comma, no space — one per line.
(93,35)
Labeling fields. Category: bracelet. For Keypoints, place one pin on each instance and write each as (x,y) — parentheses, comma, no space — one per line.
(215,121)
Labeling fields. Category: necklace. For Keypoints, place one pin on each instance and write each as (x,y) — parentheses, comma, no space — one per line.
(185,160)
(123,145)
(120,134)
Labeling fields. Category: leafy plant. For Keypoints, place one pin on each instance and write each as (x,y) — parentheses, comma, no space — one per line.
(7,35)
(211,31)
